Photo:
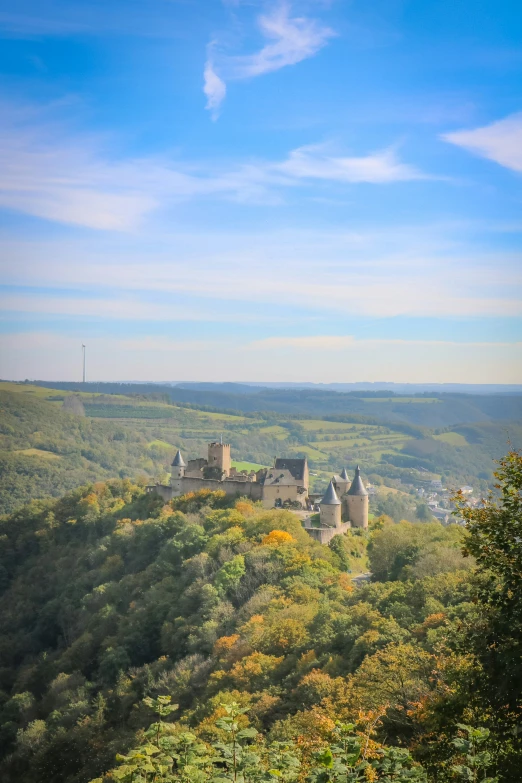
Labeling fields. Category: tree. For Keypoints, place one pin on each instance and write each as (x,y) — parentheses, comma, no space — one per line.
(494,538)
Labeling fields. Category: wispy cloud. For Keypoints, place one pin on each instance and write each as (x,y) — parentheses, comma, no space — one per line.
(293,39)
(501,141)
(426,271)
(122,308)
(46,172)
(313,162)
(343,342)
(214,88)
(290,39)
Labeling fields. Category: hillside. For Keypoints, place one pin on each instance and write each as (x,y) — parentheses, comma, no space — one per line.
(108,596)
(114,606)
(45,449)
(425,410)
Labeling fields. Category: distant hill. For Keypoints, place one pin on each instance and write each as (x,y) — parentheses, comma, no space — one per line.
(424,410)
(46,450)
(377,387)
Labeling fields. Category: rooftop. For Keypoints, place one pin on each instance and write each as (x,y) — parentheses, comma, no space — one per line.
(330,496)
(297,467)
(178,461)
(357,487)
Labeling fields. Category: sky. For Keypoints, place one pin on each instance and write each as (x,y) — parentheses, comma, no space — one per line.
(229,190)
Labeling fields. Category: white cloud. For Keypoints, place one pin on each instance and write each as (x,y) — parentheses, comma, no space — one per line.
(423,271)
(501,141)
(214,88)
(47,173)
(130,308)
(322,342)
(291,39)
(312,162)
(346,342)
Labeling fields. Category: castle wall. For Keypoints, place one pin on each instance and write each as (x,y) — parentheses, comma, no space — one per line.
(325,534)
(163,490)
(189,484)
(330,515)
(272,492)
(357,508)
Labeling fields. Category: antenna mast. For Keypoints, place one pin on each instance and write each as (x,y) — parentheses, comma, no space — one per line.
(83,352)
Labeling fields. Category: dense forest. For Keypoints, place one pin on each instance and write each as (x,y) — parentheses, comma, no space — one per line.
(209,639)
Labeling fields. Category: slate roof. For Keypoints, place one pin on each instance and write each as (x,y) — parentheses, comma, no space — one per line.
(279,476)
(344,475)
(357,487)
(178,461)
(295,466)
(330,496)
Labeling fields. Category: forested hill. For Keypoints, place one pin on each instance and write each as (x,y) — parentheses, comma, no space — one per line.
(109,598)
(427,410)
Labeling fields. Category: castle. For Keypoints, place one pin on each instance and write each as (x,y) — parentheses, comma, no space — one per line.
(344,504)
(286,483)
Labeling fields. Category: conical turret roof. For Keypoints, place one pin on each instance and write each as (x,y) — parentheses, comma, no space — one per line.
(178,461)
(330,496)
(357,487)
(344,475)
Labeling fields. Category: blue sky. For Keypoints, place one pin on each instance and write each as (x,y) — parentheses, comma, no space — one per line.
(274,191)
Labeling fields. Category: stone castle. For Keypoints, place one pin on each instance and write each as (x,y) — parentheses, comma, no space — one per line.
(344,505)
(286,483)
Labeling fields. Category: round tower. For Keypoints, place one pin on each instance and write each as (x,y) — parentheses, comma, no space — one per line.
(357,502)
(177,473)
(330,505)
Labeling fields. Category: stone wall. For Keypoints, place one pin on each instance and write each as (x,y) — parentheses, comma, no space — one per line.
(325,534)
(189,484)
(273,492)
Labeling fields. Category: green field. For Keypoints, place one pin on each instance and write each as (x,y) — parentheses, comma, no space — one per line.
(160,444)
(41,453)
(454,438)
(247,465)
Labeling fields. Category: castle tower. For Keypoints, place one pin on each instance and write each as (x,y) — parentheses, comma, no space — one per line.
(357,502)
(330,508)
(219,457)
(177,473)
(342,483)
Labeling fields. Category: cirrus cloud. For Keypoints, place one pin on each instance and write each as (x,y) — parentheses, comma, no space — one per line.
(290,39)
(500,141)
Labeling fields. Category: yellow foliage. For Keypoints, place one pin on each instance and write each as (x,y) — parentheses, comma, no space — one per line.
(277,537)
(252,672)
(283,635)
(90,500)
(244,507)
(225,644)
(345,582)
